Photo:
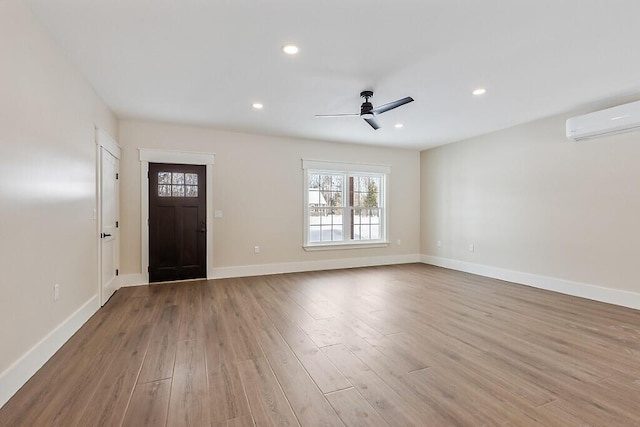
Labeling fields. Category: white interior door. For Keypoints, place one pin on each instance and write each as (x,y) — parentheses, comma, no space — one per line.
(109,233)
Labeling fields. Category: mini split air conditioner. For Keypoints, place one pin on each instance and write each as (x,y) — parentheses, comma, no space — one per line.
(612,121)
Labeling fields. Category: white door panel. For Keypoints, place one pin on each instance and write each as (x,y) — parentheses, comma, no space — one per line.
(109,234)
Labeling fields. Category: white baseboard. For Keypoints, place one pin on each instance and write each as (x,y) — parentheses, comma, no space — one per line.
(296,267)
(583,290)
(19,373)
(287,267)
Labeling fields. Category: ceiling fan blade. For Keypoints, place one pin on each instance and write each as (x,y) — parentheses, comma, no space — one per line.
(390,106)
(373,123)
(338,115)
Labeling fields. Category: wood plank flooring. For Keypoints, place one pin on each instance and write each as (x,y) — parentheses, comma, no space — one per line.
(408,345)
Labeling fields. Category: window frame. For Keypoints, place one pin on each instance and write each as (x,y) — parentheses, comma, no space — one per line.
(347,169)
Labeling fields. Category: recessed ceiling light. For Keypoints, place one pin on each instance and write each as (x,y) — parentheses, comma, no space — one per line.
(257,106)
(290,49)
(479,91)
(398,125)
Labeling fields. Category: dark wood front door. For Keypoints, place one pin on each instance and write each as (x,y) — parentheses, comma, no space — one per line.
(177,222)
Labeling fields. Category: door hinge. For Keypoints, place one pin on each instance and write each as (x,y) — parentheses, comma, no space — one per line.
(148,175)
(117,224)
(148,269)
(117,175)
(116,271)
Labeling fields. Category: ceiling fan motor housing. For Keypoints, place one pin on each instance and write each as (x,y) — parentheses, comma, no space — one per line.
(366,107)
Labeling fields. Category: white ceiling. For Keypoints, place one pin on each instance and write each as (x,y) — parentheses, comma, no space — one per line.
(205,62)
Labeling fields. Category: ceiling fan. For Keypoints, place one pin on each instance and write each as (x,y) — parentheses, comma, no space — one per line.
(368,113)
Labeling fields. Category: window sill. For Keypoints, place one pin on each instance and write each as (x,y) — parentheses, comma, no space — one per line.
(341,246)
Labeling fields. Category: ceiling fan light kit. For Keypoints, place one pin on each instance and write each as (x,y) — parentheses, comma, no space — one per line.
(368,113)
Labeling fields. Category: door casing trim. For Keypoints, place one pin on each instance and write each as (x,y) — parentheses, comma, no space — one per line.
(150,155)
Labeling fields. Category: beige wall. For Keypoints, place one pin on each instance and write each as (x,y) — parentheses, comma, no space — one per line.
(257,183)
(532,201)
(47,183)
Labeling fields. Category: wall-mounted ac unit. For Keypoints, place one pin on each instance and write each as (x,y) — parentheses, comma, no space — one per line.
(612,121)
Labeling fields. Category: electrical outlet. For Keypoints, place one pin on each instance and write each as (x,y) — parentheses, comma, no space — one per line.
(471,247)
(56,292)
(439,243)
(256,249)
(398,242)
(217,214)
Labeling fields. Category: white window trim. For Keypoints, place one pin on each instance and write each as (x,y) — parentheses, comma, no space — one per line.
(345,167)
(329,166)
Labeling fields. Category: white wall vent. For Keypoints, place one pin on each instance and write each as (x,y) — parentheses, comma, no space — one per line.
(612,121)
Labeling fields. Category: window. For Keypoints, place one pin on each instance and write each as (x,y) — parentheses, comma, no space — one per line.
(177,184)
(345,204)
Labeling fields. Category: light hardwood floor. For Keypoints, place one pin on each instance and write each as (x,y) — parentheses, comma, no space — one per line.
(409,345)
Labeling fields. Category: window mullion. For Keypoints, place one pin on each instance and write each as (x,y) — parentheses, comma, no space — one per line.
(346,212)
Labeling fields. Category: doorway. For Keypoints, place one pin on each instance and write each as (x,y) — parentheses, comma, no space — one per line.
(177,222)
